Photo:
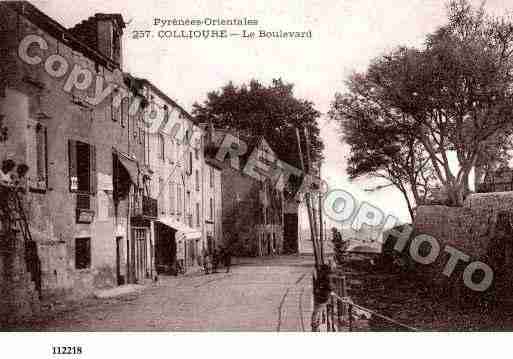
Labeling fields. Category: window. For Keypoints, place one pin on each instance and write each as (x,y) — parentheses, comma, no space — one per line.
(211,176)
(189,164)
(179,199)
(140,125)
(171,151)
(82,167)
(82,253)
(197,215)
(37,160)
(115,109)
(161,145)
(125,105)
(211,209)
(196,175)
(188,208)
(161,196)
(171,198)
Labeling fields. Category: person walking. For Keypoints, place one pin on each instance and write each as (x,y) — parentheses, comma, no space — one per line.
(227,259)
(206,261)
(215,260)
(322,289)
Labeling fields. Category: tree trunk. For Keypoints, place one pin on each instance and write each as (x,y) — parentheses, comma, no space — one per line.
(408,202)
(479,173)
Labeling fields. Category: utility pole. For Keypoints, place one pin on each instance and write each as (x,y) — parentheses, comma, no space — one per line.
(322,236)
(317,229)
(311,219)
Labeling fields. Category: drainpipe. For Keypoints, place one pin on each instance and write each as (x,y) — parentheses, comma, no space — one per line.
(202,222)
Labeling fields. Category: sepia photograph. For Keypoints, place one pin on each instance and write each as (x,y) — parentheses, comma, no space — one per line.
(236,166)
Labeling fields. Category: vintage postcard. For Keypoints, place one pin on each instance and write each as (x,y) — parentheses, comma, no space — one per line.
(243,166)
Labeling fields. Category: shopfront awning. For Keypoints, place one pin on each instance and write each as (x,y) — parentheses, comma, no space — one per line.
(183,231)
(129,165)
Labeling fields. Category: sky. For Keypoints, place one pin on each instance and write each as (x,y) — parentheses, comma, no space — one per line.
(346,36)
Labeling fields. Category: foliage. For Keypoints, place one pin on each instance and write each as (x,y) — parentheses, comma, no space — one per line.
(454,94)
(270,111)
(339,246)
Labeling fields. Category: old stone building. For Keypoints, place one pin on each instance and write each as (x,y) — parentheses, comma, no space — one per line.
(174,155)
(212,184)
(73,120)
(252,201)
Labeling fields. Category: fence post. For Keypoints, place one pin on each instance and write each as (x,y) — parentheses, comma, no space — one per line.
(350,317)
(332,314)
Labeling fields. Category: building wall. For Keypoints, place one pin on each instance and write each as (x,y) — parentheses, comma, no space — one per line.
(53,211)
(245,200)
(213,191)
(172,168)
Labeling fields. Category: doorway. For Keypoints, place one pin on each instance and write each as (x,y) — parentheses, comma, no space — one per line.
(119,252)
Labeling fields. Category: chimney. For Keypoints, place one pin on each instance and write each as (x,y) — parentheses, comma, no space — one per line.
(103,32)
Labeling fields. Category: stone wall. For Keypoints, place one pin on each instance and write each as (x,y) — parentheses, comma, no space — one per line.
(18,296)
(470,229)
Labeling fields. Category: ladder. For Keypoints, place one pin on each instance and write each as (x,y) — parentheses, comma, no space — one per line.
(13,220)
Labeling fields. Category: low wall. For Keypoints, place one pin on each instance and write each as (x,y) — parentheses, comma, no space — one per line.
(470,228)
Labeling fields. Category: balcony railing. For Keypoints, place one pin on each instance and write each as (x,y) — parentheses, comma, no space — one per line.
(144,206)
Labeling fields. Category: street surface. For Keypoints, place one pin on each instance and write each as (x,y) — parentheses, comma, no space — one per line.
(259,294)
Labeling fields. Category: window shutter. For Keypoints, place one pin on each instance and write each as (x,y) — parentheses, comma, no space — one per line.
(190,164)
(92,172)
(72,160)
(45,137)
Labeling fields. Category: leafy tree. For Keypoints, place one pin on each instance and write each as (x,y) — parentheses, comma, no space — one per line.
(270,111)
(380,149)
(496,153)
(455,94)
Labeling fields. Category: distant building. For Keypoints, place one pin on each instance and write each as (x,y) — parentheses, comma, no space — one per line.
(252,203)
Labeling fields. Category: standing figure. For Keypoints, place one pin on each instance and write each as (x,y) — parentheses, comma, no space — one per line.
(20,180)
(227,259)
(215,260)
(6,172)
(206,261)
(322,290)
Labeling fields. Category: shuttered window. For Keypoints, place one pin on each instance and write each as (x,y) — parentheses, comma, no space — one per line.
(179,199)
(115,110)
(161,145)
(37,157)
(82,167)
(198,219)
(171,198)
(189,164)
(125,105)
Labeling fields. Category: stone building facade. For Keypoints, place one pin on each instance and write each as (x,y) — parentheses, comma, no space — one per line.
(174,154)
(252,202)
(88,211)
(213,228)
